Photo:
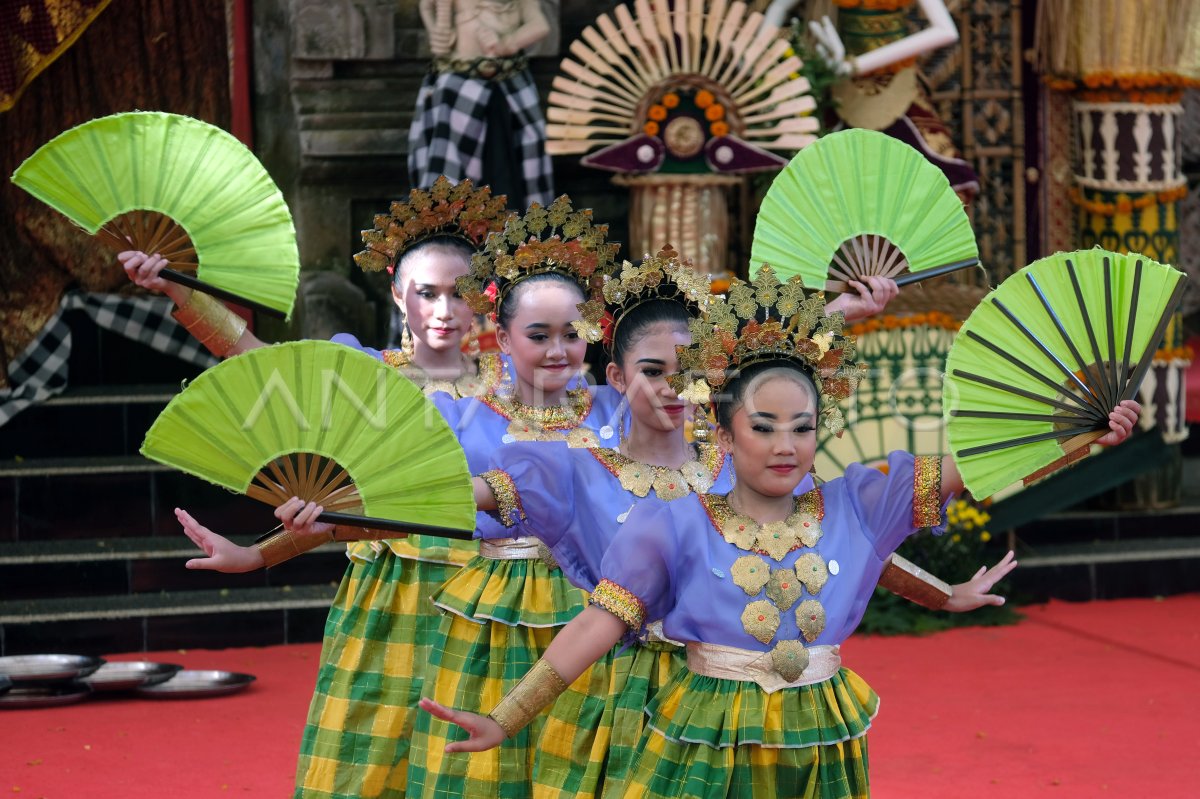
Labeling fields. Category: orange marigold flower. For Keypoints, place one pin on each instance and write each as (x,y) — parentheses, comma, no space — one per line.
(657,113)
(714,112)
(719,128)
(704,98)
(650,128)
(670,100)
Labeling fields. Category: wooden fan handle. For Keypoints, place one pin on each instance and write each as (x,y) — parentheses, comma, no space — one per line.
(393,526)
(1076,449)
(911,277)
(199,285)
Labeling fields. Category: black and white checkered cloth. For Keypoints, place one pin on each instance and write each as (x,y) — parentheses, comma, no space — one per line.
(450,123)
(40,371)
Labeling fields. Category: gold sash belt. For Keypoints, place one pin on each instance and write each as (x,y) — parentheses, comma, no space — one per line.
(523,548)
(730,663)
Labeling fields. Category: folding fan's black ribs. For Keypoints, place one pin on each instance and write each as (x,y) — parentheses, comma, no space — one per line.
(1135,379)
(935,271)
(1016,442)
(1110,329)
(392,525)
(1095,380)
(1123,372)
(1080,414)
(1089,410)
(1109,399)
(1018,417)
(1091,398)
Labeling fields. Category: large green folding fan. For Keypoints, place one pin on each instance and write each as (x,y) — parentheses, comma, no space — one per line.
(1037,367)
(180,187)
(857,203)
(326,423)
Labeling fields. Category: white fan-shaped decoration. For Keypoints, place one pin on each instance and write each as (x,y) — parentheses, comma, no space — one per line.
(622,66)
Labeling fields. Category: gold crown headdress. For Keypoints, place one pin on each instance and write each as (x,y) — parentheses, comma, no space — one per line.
(664,276)
(457,210)
(767,320)
(554,238)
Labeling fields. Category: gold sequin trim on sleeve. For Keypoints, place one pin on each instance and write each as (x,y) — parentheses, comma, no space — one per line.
(927,491)
(619,602)
(508,501)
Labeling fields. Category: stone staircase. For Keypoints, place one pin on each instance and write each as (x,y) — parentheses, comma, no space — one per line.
(91,556)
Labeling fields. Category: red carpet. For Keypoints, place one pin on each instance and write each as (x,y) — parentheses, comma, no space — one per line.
(1087,700)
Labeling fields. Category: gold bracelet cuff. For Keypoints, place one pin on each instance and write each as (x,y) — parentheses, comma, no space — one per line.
(536,691)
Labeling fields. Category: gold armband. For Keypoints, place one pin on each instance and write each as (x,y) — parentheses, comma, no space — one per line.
(211,323)
(906,579)
(286,545)
(540,686)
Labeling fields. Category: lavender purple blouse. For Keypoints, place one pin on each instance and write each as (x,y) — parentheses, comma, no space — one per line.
(673,559)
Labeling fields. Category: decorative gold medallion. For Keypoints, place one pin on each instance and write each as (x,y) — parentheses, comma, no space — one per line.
(636,478)
(761,620)
(750,573)
(790,659)
(583,438)
(777,539)
(810,618)
(784,588)
(812,571)
(739,531)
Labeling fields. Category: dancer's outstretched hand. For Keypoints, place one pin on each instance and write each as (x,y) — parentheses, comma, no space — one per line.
(222,554)
(973,594)
(300,517)
(1120,423)
(485,733)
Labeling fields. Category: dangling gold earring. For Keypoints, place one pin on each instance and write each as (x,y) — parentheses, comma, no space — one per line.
(700,428)
(406,339)
(473,339)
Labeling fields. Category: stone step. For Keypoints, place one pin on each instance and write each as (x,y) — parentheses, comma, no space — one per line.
(261,616)
(72,467)
(1146,567)
(144,566)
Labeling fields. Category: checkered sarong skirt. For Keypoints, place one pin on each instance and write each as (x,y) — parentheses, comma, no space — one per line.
(593,731)
(713,737)
(377,642)
(450,123)
(501,617)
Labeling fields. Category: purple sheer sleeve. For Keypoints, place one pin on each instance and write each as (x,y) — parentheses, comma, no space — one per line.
(542,475)
(892,506)
(639,562)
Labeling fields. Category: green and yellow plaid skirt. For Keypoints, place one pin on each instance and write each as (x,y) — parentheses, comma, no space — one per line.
(712,737)
(586,746)
(502,615)
(377,642)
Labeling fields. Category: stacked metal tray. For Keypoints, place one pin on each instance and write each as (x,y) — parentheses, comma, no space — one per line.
(28,681)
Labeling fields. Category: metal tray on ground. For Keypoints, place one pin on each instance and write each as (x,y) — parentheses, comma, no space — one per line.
(30,696)
(47,668)
(127,675)
(198,684)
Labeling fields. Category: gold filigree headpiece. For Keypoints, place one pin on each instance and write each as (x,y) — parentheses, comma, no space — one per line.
(664,276)
(766,320)
(555,238)
(457,210)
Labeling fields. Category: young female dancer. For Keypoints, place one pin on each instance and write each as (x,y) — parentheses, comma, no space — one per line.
(360,720)
(762,585)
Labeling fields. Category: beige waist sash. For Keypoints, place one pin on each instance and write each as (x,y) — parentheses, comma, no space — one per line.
(523,548)
(730,663)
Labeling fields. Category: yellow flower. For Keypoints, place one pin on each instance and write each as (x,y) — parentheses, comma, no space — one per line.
(985,536)
(956,538)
